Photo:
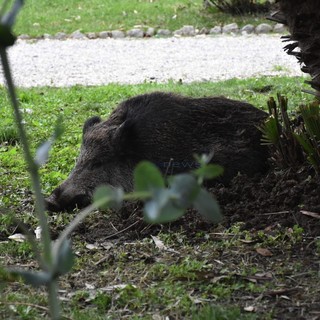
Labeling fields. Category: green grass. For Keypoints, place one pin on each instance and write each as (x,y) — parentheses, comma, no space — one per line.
(42,16)
(189,283)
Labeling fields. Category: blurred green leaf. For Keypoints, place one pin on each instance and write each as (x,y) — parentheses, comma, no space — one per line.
(209,171)
(36,279)
(59,128)
(161,209)
(9,18)
(42,153)
(6,275)
(147,177)
(63,258)
(204,159)
(113,197)
(208,206)
(186,189)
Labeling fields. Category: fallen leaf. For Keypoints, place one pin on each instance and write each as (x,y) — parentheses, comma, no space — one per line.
(90,246)
(159,244)
(249,309)
(38,232)
(264,275)
(311,214)
(117,286)
(264,252)
(89,286)
(247,241)
(19,237)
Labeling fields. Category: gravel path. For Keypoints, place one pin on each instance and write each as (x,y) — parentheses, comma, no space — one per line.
(103,61)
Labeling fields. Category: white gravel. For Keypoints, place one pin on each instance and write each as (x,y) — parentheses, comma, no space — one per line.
(102,61)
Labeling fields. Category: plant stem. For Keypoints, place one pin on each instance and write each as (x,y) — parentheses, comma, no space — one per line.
(138,195)
(32,167)
(142,195)
(54,303)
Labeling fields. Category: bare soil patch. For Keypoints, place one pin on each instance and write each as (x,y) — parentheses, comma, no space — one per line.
(271,204)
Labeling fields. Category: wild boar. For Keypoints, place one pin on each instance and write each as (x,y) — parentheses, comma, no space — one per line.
(166,129)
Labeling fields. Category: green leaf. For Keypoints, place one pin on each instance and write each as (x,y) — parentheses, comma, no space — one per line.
(311,118)
(185,188)
(147,177)
(204,159)
(208,206)
(270,131)
(209,171)
(42,153)
(63,258)
(112,197)
(59,128)
(36,279)
(7,275)
(161,209)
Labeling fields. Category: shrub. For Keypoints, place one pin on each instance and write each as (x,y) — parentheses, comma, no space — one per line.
(293,140)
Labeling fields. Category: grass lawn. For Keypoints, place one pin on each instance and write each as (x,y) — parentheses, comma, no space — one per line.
(205,275)
(39,17)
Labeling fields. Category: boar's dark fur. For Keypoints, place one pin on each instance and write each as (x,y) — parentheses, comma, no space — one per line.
(168,130)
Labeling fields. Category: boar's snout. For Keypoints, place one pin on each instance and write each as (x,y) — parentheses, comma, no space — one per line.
(66,199)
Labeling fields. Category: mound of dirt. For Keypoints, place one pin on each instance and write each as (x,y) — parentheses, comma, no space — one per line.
(284,198)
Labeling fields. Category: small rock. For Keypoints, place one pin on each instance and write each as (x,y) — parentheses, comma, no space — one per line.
(48,36)
(104,34)
(150,32)
(204,31)
(163,33)
(215,30)
(186,31)
(24,37)
(78,35)
(247,29)
(91,35)
(263,28)
(230,28)
(135,33)
(60,36)
(279,28)
(117,34)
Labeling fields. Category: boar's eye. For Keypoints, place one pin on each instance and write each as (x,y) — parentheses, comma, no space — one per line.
(95,165)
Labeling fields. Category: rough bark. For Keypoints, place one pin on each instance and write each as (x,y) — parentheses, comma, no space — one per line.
(303,21)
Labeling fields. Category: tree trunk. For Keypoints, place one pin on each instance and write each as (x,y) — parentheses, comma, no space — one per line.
(303,21)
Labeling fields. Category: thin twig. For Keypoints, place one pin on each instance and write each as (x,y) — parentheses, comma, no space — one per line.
(273,213)
(121,231)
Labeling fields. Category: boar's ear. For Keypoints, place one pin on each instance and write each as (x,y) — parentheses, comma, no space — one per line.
(124,138)
(89,123)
